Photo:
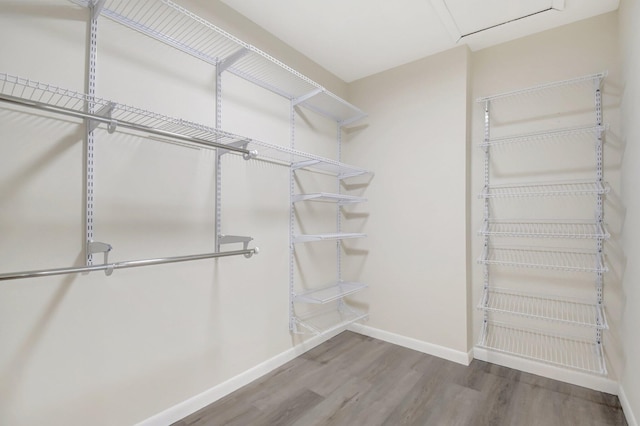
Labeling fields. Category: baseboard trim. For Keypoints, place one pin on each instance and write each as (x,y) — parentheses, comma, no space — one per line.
(598,383)
(459,357)
(191,405)
(626,407)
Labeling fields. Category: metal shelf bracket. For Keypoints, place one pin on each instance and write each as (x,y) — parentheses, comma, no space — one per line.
(94,247)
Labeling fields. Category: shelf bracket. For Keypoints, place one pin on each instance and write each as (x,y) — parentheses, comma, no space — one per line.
(235,239)
(241,144)
(96,8)
(302,164)
(224,64)
(353,119)
(306,96)
(105,111)
(94,247)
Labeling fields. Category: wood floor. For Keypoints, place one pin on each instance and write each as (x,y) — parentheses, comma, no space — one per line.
(356,380)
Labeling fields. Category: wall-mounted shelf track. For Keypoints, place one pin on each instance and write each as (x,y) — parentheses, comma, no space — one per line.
(577,354)
(513,304)
(544,307)
(330,293)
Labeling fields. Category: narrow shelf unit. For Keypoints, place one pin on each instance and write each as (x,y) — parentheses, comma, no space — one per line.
(585,355)
(573,229)
(329,293)
(563,351)
(541,306)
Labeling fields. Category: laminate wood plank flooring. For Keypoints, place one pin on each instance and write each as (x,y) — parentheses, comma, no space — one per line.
(354,380)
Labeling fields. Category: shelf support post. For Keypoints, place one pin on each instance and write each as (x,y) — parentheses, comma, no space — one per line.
(293,324)
(487,137)
(599,204)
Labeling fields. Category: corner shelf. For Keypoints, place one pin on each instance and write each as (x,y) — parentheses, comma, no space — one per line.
(545,229)
(568,311)
(327,320)
(329,293)
(559,260)
(577,354)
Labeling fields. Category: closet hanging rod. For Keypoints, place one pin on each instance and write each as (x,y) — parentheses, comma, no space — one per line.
(111,122)
(109,267)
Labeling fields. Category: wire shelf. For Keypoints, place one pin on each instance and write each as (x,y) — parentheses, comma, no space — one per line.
(547,189)
(577,354)
(171,24)
(546,135)
(545,229)
(545,86)
(570,261)
(306,238)
(55,99)
(330,293)
(569,311)
(324,321)
(326,197)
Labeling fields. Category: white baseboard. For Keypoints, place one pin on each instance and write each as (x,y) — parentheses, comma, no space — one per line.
(599,383)
(415,344)
(191,405)
(626,407)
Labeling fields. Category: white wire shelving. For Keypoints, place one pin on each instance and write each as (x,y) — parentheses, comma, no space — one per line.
(569,352)
(325,197)
(171,24)
(545,229)
(329,293)
(30,93)
(559,260)
(328,320)
(567,132)
(544,307)
(307,238)
(545,86)
(545,189)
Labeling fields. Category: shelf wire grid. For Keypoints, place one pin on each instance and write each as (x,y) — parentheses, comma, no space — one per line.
(563,351)
(543,307)
(306,238)
(569,261)
(545,135)
(329,293)
(179,28)
(545,229)
(545,189)
(327,320)
(325,197)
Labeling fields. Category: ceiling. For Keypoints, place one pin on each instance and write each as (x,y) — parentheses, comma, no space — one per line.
(356,38)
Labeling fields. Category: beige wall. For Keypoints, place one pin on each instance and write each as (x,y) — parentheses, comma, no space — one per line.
(415,141)
(582,48)
(630,86)
(91,349)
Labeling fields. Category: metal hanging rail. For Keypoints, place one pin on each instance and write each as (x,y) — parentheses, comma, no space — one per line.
(110,267)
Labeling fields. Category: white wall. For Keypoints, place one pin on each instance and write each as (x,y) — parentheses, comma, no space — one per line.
(91,349)
(414,258)
(629,16)
(582,48)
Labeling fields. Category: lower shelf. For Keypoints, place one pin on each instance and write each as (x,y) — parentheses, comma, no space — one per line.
(305,238)
(330,319)
(574,312)
(329,293)
(540,346)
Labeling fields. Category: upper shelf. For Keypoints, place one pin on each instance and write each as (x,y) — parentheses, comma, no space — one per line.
(545,86)
(30,93)
(546,135)
(179,28)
